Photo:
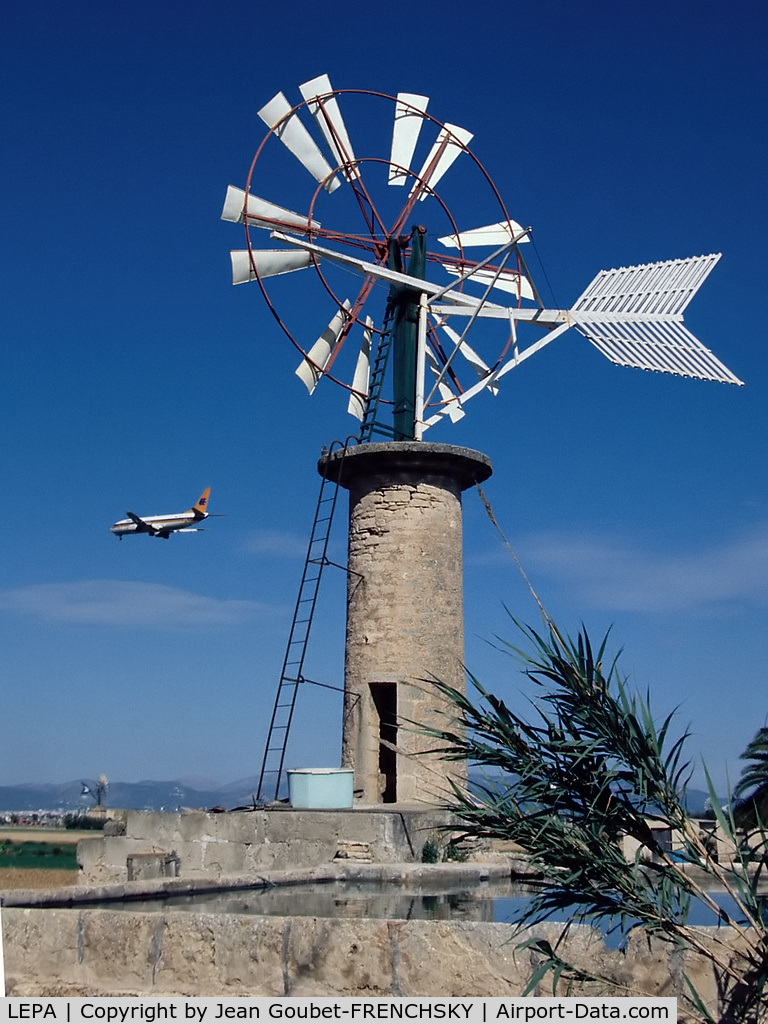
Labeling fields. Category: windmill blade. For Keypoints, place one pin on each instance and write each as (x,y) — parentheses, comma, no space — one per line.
(451,141)
(664,288)
(244,208)
(491,234)
(312,368)
(470,302)
(409,111)
(505,280)
(325,110)
(662,345)
(361,380)
(248,266)
(480,367)
(289,129)
(452,405)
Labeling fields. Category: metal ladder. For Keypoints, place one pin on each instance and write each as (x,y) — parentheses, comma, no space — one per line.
(369,425)
(293,664)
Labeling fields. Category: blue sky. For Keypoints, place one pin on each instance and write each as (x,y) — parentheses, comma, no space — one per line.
(134,374)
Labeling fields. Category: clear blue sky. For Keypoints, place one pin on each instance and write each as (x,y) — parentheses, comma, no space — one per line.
(134,375)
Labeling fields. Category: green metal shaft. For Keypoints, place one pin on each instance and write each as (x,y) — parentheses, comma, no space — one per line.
(405,304)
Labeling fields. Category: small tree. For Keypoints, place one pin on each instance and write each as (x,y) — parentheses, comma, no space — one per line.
(586,769)
(752,788)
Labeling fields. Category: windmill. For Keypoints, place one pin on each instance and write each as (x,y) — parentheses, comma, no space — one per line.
(356,234)
(358,222)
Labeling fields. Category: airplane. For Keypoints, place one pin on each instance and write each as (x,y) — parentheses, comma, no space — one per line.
(164,526)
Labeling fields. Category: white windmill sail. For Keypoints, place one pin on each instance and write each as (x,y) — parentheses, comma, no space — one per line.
(362,377)
(449,144)
(290,130)
(491,234)
(312,368)
(409,117)
(247,266)
(452,406)
(506,280)
(479,365)
(242,207)
(326,113)
(633,315)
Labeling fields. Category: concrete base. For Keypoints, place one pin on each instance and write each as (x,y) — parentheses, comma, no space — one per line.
(203,845)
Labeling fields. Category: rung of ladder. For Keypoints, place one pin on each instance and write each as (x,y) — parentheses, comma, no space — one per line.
(301,624)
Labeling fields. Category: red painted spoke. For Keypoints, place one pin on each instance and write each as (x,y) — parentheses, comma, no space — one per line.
(355,177)
(354,314)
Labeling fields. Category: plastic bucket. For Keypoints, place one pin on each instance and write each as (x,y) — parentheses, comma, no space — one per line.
(320,787)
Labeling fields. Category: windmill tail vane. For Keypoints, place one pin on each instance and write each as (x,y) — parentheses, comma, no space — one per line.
(632,315)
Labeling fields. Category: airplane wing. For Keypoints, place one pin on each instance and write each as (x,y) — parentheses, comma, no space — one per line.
(142,524)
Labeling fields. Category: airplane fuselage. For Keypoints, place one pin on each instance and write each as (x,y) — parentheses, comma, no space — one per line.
(164,526)
(159,524)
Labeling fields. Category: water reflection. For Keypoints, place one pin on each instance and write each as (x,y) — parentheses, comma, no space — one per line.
(500,902)
(349,899)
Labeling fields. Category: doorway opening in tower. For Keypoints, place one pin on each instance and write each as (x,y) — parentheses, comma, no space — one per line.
(384,697)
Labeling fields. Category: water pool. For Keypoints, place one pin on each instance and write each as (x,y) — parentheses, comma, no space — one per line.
(491,901)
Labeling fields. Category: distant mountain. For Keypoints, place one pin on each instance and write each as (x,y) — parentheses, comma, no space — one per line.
(173,796)
(697,801)
(142,796)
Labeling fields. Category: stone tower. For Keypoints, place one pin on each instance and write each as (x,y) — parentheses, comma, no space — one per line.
(405,622)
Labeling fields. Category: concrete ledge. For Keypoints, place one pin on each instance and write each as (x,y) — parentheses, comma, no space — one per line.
(409,460)
(394,874)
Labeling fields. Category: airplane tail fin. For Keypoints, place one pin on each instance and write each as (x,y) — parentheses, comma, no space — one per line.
(201,505)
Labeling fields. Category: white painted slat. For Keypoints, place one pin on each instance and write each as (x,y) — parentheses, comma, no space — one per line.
(314,366)
(409,109)
(491,234)
(268,262)
(455,139)
(662,288)
(361,379)
(325,110)
(664,346)
(296,138)
(240,206)
(506,281)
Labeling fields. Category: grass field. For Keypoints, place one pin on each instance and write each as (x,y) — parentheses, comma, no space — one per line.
(37,854)
(20,834)
(35,878)
(38,858)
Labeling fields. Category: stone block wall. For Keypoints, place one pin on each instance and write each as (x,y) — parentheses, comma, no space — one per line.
(99,952)
(240,843)
(405,618)
(405,625)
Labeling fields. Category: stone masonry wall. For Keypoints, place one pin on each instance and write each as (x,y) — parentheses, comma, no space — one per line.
(405,625)
(405,620)
(62,952)
(243,842)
